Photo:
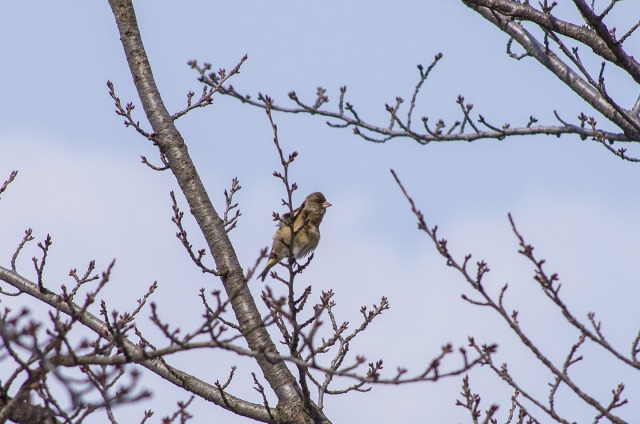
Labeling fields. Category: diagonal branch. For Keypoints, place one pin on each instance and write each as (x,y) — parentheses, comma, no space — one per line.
(552,62)
(628,63)
(172,145)
(526,12)
(157,366)
(511,320)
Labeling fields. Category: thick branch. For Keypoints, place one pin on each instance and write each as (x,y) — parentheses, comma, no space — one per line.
(555,65)
(173,147)
(157,366)
(525,12)
(623,59)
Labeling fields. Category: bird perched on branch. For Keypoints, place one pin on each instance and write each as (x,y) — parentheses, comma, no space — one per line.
(306,228)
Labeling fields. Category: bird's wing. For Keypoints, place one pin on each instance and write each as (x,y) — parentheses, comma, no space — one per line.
(286,218)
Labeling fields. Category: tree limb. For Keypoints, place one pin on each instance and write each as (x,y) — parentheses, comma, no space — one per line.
(172,145)
(552,62)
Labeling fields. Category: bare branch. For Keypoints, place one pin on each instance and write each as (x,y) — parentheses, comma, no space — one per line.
(182,236)
(27,238)
(423,77)
(181,413)
(548,59)
(125,112)
(628,34)
(157,168)
(12,177)
(547,283)
(231,222)
(40,267)
(260,389)
(206,98)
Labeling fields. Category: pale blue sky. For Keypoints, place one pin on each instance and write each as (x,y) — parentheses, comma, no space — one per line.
(82,182)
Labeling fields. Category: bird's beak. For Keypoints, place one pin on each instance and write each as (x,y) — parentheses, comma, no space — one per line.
(325,205)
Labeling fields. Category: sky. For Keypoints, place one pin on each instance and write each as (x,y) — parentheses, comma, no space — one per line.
(81,181)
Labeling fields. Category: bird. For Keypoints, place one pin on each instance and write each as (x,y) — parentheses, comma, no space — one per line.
(306,227)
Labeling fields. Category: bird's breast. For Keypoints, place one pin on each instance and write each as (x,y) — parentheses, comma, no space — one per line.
(306,241)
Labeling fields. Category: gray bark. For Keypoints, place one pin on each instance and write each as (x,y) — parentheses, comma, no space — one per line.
(175,376)
(552,62)
(171,144)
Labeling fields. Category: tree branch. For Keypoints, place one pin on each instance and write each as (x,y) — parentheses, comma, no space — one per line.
(172,145)
(157,366)
(552,62)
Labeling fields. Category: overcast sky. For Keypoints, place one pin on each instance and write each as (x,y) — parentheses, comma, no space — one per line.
(81,181)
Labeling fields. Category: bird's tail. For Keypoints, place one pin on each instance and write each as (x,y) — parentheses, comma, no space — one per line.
(264,274)
(270,265)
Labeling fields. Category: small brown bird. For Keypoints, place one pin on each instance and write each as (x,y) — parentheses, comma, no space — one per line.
(306,228)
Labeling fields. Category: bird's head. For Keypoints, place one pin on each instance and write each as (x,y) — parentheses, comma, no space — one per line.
(316,203)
